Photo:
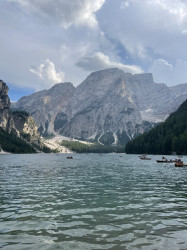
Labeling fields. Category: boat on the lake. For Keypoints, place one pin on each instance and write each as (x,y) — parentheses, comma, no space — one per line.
(69,157)
(180,164)
(144,157)
(165,160)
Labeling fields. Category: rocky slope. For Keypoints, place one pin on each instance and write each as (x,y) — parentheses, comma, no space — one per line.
(46,104)
(5,117)
(25,127)
(109,103)
(18,123)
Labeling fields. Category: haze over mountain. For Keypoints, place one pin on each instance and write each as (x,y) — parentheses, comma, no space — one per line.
(109,102)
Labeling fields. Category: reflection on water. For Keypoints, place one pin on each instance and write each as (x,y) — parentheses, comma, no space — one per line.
(91,202)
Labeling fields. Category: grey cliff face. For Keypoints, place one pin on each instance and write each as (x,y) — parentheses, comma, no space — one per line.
(107,101)
(4,106)
(19,124)
(44,106)
(101,104)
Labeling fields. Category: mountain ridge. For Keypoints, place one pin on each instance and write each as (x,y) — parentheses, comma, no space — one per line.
(106,101)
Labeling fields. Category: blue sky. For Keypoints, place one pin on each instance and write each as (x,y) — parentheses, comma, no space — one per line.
(16,93)
(44,42)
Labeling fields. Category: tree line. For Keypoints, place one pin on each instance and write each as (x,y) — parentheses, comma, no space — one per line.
(9,142)
(167,138)
(79,147)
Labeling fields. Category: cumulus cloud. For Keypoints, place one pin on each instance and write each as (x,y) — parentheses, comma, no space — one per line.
(99,61)
(47,73)
(168,73)
(64,12)
(147,27)
(131,31)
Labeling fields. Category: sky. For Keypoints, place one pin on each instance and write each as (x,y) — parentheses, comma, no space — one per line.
(44,42)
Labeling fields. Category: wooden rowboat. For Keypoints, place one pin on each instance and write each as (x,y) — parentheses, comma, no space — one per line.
(180,164)
(165,161)
(69,157)
(144,157)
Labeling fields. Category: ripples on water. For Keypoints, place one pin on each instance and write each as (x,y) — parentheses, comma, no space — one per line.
(91,202)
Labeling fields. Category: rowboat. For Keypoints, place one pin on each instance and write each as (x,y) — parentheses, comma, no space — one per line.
(69,157)
(180,164)
(165,161)
(144,157)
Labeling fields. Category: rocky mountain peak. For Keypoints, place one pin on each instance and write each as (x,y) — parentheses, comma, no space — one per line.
(103,77)
(4,99)
(46,104)
(107,102)
(60,87)
(20,123)
(3,88)
(4,106)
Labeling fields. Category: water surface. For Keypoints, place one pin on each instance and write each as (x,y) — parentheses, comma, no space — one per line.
(91,202)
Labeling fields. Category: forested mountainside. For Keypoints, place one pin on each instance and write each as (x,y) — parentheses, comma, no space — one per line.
(10,142)
(166,138)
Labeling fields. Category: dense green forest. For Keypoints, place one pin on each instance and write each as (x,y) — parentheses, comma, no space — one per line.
(107,138)
(167,138)
(9,142)
(20,113)
(79,147)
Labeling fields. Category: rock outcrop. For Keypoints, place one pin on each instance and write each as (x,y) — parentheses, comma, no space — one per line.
(44,106)
(18,122)
(26,127)
(5,116)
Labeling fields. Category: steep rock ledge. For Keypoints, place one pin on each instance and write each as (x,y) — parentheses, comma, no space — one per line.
(18,126)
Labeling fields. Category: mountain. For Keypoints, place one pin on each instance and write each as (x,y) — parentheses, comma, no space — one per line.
(109,106)
(46,104)
(18,130)
(166,138)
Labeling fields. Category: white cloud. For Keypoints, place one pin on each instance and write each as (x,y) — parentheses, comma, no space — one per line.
(147,27)
(65,12)
(132,30)
(47,74)
(168,73)
(99,61)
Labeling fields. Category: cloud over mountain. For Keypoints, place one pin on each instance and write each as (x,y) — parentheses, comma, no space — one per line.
(81,36)
(146,27)
(99,61)
(47,73)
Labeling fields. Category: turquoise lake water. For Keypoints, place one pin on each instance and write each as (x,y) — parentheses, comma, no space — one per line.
(91,202)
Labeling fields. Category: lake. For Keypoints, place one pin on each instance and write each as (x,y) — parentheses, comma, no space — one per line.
(94,201)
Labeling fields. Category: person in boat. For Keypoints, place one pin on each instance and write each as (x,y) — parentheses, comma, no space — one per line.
(69,157)
(164,159)
(179,163)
